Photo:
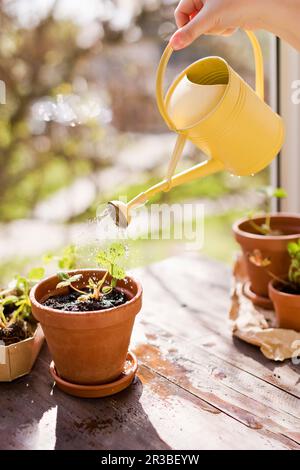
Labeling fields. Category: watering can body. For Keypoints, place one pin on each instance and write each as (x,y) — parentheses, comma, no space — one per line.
(210,105)
(213,107)
(227,120)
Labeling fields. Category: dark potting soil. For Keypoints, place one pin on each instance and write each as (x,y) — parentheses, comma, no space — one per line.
(16,332)
(288,290)
(69,302)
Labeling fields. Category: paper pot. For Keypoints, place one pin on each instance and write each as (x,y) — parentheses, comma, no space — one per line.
(87,347)
(18,359)
(272,247)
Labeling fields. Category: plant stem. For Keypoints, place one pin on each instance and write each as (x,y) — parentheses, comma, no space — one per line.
(276,278)
(16,314)
(99,286)
(2,317)
(77,290)
(256,227)
(268,222)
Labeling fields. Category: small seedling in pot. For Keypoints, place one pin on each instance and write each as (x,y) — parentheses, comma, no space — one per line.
(98,291)
(292,282)
(16,321)
(294,270)
(269,193)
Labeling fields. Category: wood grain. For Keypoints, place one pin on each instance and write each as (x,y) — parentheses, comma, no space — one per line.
(196,387)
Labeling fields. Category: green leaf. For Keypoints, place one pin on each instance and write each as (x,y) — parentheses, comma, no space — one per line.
(116,250)
(36,274)
(75,278)
(118,272)
(9,300)
(280,193)
(69,280)
(63,276)
(21,284)
(102,259)
(107,289)
(62,284)
(91,283)
(293,248)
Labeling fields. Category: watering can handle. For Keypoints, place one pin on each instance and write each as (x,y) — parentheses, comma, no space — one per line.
(181,140)
(259,64)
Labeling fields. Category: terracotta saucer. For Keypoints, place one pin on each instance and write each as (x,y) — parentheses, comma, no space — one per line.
(259,301)
(103,390)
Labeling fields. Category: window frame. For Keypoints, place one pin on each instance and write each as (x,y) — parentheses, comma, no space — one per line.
(285,171)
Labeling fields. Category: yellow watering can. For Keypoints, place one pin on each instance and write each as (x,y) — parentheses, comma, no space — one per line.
(212,106)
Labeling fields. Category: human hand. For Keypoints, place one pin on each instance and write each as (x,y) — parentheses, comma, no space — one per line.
(197,17)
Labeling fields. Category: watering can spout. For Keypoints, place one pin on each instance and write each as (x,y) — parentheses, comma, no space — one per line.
(121,213)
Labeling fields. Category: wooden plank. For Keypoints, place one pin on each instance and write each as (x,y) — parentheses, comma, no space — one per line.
(190,297)
(196,389)
(244,397)
(153,414)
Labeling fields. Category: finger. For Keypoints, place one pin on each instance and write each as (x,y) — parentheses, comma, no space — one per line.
(185,10)
(200,24)
(221,32)
(229,32)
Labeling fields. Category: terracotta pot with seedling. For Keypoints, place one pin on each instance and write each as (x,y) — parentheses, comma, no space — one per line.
(268,234)
(87,316)
(21,338)
(285,292)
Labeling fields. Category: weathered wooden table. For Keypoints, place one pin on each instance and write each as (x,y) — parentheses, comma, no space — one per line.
(197,387)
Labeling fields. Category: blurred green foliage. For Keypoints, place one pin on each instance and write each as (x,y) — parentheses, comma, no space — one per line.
(37,157)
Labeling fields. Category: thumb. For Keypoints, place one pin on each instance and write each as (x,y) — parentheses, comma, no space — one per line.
(200,24)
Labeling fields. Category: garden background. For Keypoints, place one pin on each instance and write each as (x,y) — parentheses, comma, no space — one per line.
(80,125)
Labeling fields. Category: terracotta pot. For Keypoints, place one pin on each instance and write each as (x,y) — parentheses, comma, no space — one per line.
(287,307)
(272,247)
(87,347)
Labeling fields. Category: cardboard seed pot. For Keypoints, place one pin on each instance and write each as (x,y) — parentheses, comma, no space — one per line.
(18,359)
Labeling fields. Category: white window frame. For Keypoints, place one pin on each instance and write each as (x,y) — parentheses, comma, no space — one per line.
(285,172)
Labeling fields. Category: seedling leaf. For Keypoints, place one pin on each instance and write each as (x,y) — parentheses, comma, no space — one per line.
(280,193)
(67,281)
(107,289)
(63,276)
(118,272)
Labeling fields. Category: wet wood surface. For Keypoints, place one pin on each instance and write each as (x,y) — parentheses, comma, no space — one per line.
(197,387)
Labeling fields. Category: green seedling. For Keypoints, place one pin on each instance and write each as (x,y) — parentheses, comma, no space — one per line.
(111,260)
(15,299)
(294,270)
(269,193)
(293,279)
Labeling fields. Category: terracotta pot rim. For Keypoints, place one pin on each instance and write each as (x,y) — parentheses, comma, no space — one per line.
(276,215)
(273,289)
(63,313)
